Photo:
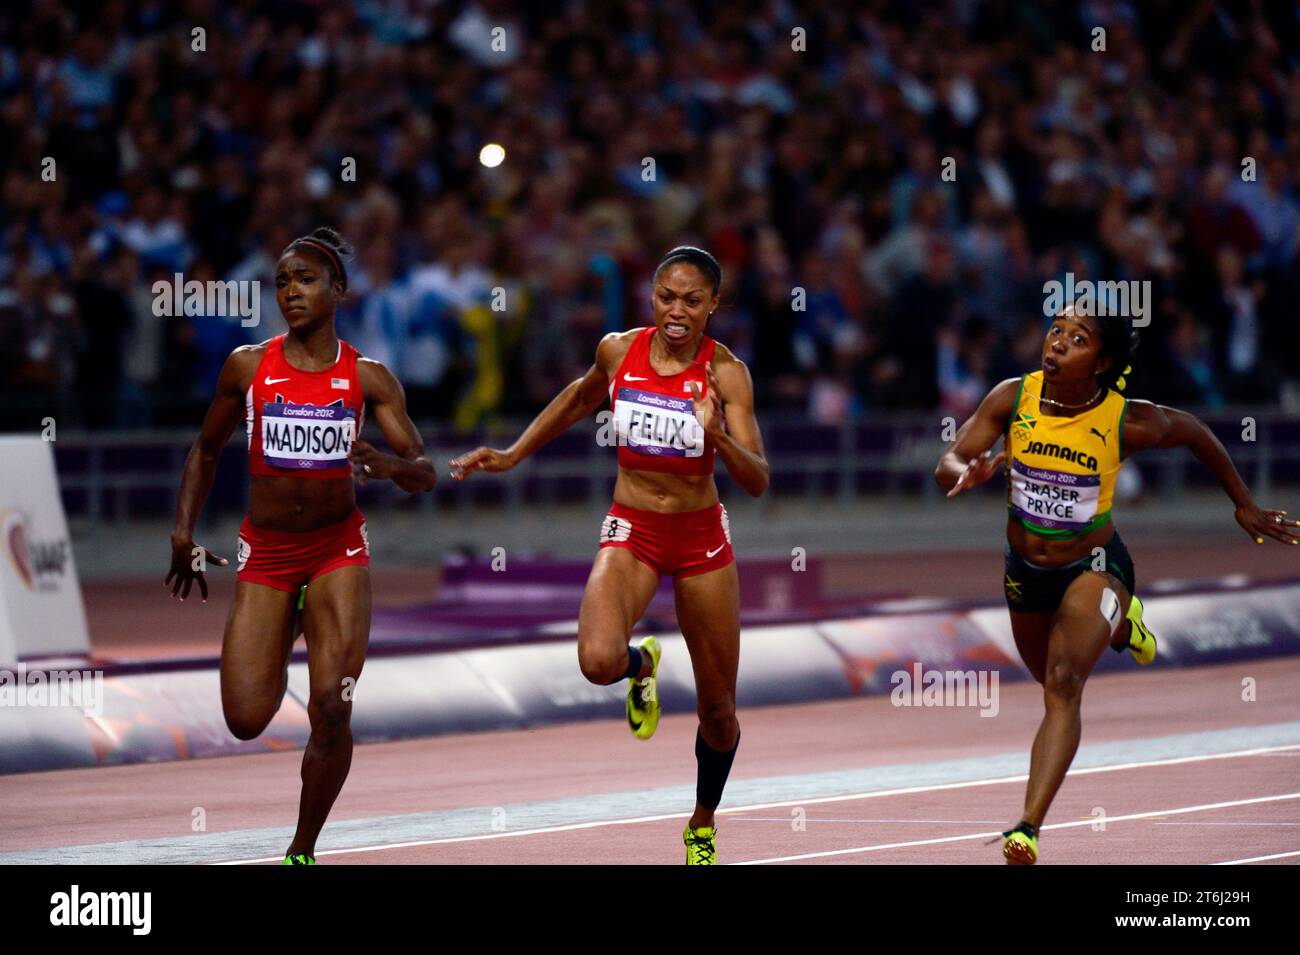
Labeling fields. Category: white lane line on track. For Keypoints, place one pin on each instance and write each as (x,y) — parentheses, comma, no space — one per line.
(1276,855)
(989,835)
(876,794)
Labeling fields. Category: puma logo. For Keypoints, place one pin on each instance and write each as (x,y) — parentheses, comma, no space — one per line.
(1099,434)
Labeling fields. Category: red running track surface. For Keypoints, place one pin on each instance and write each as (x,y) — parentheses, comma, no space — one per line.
(104,805)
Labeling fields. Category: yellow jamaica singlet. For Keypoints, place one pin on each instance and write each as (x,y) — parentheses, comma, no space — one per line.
(1061,470)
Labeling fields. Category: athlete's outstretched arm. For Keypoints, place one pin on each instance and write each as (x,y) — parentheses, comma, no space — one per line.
(409,468)
(225,412)
(1148,425)
(737,438)
(966,462)
(577,400)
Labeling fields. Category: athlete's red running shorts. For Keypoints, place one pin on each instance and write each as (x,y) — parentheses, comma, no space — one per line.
(685,544)
(285,560)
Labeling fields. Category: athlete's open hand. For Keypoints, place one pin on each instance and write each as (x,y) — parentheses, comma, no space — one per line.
(189,561)
(1260,523)
(369,464)
(978,470)
(708,410)
(480,459)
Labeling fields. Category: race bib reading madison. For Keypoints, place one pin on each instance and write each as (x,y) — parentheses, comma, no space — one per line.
(1054,499)
(307,436)
(650,423)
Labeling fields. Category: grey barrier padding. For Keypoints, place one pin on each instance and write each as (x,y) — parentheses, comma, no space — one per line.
(33,740)
(420,695)
(872,649)
(177,715)
(789,664)
(142,718)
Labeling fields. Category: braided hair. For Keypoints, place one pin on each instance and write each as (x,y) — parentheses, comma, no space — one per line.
(326,244)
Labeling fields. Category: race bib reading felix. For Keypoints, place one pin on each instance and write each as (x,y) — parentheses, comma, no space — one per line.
(307,436)
(655,424)
(1054,499)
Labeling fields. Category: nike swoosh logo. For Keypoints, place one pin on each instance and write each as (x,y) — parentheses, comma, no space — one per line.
(353,553)
(635,378)
(710,553)
(274,381)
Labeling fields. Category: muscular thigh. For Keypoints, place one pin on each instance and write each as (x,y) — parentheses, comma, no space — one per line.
(336,620)
(1082,625)
(708,612)
(256,646)
(618,590)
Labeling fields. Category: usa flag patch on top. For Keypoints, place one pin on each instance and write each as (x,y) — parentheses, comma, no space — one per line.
(342,384)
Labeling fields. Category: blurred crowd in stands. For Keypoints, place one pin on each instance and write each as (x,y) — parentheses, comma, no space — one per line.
(803,143)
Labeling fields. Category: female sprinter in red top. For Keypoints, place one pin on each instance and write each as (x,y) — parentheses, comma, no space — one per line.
(669,385)
(1069,580)
(302,397)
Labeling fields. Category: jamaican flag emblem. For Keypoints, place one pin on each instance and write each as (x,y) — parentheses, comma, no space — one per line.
(1023,426)
(1013,588)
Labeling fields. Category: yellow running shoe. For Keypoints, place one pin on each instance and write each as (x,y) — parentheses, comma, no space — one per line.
(701,845)
(299,858)
(1019,846)
(1141,641)
(643,695)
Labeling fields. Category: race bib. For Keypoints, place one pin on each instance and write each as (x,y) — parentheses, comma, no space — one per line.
(1054,499)
(658,425)
(307,436)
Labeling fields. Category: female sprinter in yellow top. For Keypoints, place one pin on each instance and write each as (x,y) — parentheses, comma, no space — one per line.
(669,385)
(1069,579)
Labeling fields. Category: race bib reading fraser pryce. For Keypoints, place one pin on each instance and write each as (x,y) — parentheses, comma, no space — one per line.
(1054,499)
(307,436)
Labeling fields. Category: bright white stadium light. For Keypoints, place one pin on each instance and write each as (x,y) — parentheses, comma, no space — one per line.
(492,155)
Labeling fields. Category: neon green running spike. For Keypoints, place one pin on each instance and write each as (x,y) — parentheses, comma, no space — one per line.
(1141,641)
(701,845)
(643,695)
(302,597)
(299,858)
(1020,848)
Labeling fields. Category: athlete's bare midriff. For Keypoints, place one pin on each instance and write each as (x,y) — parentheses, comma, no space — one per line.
(665,493)
(1052,552)
(296,505)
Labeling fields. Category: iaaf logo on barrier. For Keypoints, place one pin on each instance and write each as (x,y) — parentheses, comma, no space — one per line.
(918,687)
(36,562)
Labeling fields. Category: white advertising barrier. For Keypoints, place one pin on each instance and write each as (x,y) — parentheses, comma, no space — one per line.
(41,612)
